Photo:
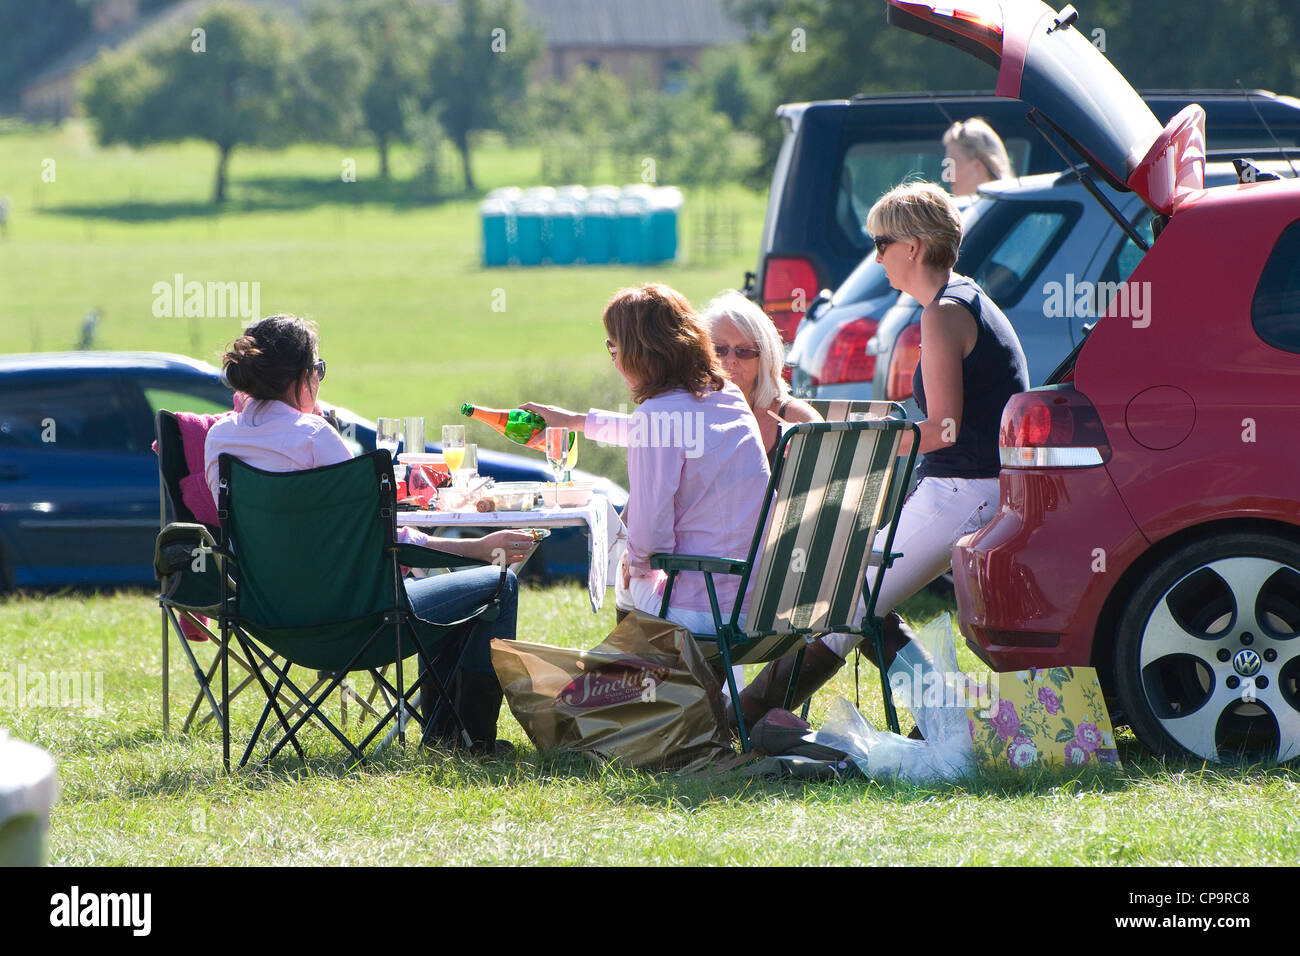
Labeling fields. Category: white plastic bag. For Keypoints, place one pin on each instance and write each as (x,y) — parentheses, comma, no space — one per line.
(926,670)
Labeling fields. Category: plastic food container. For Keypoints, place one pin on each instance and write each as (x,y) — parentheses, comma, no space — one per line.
(573,494)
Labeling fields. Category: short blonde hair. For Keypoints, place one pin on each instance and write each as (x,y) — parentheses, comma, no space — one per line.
(755,325)
(919,210)
(976,139)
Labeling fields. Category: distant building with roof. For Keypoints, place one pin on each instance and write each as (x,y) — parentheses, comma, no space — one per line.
(656,39)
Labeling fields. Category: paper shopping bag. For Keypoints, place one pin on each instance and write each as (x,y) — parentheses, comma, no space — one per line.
(644,695)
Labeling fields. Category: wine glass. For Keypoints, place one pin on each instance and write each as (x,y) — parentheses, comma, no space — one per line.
(557,452)
(388,434)
(468,466)
(414,441)
(453,451)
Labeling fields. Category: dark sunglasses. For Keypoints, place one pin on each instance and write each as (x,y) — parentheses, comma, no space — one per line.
(883,243)
(613,349)
(319,368)
(742,353)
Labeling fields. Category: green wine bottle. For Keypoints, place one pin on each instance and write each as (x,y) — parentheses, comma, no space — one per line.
(521,427)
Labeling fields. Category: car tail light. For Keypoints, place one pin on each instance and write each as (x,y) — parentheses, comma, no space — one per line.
(845,357)
(1051,428)
(902,366)
(788,286)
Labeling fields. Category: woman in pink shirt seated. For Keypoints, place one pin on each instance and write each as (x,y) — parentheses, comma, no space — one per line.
(277,364)
(697,470)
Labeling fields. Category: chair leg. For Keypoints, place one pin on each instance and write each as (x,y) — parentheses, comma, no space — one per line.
(273,700)
(724,647)
(166,673)
(878,642)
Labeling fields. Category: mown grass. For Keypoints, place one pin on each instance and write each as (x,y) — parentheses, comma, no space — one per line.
(133,795)
(409,328)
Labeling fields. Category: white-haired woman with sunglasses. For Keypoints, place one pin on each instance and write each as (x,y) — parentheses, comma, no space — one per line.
(749,348)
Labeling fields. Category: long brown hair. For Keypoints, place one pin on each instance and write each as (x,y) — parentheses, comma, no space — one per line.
(662,343)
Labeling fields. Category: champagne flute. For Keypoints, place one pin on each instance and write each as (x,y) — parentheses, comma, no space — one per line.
(557,452)
(414,440)
(388,435)
(453,450)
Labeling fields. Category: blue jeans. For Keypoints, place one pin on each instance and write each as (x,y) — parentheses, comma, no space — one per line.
(450,597)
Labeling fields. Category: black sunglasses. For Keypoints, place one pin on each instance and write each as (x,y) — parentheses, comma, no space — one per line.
(742,353)
(319,368)
(883,243)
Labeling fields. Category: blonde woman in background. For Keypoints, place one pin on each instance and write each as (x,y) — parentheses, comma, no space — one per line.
(973,155)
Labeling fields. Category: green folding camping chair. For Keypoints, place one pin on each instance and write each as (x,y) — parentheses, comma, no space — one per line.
(831,491)
(188,575)
(314,565)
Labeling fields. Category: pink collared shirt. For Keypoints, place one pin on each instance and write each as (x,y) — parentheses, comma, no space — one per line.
(273,436)
(697,473)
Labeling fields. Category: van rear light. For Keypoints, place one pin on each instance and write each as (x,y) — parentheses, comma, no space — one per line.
(844,358)
(902,366)
(788,286)
(1051,428)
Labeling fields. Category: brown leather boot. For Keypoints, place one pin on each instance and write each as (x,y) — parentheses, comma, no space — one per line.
(896,635)
(767,690)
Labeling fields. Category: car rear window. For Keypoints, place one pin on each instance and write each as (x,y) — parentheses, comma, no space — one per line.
(869,170)
(1275,312)
(65,416)
(1011,243)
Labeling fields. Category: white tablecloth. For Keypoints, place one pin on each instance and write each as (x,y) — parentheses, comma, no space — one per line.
(604,532)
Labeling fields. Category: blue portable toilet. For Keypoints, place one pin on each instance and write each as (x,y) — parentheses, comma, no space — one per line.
(530,220)
(562,234)
(632,233)
(665,204)
(497,231)
(599,214)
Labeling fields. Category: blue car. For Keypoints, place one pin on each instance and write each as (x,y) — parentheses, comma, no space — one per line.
(79,502)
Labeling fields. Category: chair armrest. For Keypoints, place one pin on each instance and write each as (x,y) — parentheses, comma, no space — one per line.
(696,562)
(174,547)
(418,556)
(876,557)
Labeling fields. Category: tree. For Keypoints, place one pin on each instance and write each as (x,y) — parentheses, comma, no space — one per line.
(327,75)
(479,69)
(227,82)
(394,42)
(730,81)
(575,122)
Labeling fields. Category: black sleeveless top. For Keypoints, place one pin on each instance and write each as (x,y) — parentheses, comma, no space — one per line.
(994,371)
(771,452)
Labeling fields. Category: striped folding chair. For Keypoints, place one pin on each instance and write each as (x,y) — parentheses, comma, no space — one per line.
(832,490)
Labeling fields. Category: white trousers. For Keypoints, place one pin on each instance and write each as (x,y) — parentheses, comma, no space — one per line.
(934,516)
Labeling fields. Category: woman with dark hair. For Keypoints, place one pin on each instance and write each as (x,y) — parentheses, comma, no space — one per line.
(696,466)
(276,363)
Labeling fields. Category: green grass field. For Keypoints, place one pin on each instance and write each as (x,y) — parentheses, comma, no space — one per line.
(408,327)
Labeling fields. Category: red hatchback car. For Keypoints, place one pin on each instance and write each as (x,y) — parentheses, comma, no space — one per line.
(1150,498)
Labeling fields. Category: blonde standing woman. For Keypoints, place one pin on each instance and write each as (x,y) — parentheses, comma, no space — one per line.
(971,364)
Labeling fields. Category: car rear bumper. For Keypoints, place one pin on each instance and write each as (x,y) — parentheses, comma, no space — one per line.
(1032,582)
